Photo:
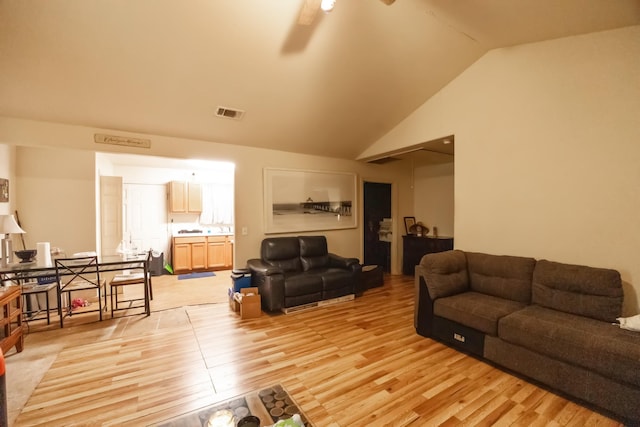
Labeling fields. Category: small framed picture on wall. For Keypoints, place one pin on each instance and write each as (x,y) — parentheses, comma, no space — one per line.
(4,190)
(409,221)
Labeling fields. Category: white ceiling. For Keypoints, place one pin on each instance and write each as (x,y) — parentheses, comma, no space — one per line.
(333,88)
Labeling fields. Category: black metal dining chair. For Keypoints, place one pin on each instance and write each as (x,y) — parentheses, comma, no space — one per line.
(76,275)
(142,279)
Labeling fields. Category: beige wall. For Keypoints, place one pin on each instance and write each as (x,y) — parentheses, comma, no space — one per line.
(57,197)
(547,151)
(39,137)
(434,197)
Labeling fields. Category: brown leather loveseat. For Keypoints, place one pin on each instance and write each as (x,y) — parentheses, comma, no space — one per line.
(299,271)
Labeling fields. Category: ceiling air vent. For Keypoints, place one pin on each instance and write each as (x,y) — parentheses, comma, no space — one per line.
(229,113)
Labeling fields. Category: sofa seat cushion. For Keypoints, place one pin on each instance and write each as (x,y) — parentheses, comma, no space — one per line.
(296,284)
(577,340)
(476,310)
(333,278)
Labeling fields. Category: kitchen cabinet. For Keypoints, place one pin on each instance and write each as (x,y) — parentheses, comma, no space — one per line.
(197,253)
(11,318)
(219,252)
(185,197)
(189,253)
(198,256)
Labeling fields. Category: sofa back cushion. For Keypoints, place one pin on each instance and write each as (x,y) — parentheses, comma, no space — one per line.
(501,276)
(282,252)
(578,289)
(313,252)
(445,273)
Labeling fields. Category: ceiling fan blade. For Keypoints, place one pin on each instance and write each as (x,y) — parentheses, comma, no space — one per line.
(308,12)
(388,2)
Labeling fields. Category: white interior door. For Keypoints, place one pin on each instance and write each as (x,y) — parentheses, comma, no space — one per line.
(110,214)
(145,215)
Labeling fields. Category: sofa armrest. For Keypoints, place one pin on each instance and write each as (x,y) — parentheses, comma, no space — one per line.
(258,266)
(338,261)
(423,305)
(270,283)
(444,273)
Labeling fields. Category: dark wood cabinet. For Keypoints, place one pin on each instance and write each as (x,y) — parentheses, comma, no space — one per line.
(414,248)
(11,318)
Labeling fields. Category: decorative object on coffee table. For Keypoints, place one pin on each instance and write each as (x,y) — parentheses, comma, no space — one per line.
(249,421)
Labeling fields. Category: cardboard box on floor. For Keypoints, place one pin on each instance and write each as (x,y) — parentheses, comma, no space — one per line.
(233,303)
(250,303)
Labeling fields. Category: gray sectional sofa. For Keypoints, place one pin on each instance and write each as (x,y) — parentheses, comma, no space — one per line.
(548,321)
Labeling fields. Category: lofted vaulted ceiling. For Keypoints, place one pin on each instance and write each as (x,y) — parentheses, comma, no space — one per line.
(331,88)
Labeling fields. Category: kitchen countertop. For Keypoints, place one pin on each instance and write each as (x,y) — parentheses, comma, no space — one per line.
(202,234)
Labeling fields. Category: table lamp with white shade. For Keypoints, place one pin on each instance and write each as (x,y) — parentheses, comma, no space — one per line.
(8,226)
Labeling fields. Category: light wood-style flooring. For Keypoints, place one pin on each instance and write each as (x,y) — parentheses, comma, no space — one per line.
(357,363)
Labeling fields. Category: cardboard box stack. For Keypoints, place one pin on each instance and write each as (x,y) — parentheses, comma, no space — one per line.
(247,302)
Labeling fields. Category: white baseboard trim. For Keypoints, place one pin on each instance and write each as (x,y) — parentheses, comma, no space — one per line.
(322,303)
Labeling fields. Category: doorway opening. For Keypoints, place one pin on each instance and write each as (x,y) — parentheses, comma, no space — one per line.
(141,210)
(377,208)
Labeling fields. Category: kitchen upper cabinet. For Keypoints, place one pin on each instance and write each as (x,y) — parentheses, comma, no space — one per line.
(185,197)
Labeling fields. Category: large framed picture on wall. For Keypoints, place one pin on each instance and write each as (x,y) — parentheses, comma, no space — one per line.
(302,200)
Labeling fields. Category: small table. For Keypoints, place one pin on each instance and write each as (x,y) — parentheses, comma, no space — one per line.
(372,276)
(270,405)
(27,273)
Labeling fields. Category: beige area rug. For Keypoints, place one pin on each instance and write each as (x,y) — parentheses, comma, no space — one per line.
(169,292)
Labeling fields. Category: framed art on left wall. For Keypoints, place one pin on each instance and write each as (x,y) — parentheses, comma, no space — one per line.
(4,190)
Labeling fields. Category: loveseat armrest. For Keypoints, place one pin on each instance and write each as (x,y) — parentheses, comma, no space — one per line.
(270,283)
(258,266)
(338,261)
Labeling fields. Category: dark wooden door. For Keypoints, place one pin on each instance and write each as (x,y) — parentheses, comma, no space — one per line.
(377,206)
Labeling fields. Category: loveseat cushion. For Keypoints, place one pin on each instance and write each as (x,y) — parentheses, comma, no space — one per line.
(502,276)
(578,289)
(282,252)
(333,278)
(476,310)
(577,340)
(296,284)
(445,273)
(313,252)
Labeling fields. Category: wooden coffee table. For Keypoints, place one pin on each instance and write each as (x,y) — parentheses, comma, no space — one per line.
(269,404)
